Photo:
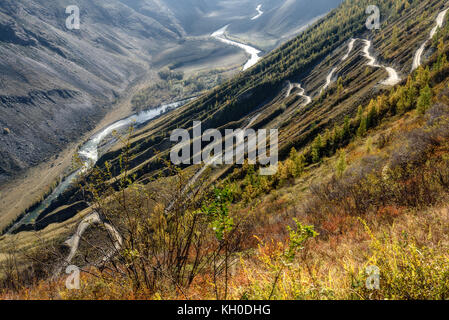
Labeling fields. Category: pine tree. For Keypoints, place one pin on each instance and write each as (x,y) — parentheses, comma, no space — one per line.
(338,135)
(444,61)
(395,37)
(371,120)
(441,46)
(411,93)
(423,76)
(299,162)
(381,105)
(347,128)
(293,153)
(359,115)
(425,99)
(361,131)
(341,163)
(402,100)
(316,149)
(339,86)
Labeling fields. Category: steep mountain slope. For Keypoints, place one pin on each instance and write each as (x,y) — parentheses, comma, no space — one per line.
(281,20)
(316,56)
(338,93)
(66,80)
(315,62)
(56,83)
(264,23)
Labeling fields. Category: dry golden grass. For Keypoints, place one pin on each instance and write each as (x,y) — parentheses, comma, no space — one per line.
(409,245)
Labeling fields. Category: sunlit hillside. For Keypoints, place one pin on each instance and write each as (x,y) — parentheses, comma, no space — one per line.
(361,187)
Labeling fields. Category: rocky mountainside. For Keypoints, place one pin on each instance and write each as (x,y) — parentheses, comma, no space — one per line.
(279,21)
(307,86)
(362,181)
(56,83)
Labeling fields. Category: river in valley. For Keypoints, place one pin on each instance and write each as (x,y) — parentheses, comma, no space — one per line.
(253,52)
(89,151)
(259,12)
(89,155)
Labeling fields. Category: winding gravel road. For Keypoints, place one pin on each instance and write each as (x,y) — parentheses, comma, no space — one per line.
(393,77)
(420,51)
(331,74)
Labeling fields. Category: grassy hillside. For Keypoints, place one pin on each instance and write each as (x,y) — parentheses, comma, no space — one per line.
(363,182)
(60,86)
(306,59)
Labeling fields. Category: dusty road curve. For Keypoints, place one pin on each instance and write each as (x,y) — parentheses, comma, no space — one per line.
(420,51)
(393,77)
